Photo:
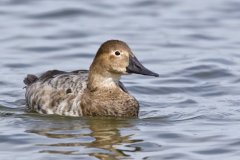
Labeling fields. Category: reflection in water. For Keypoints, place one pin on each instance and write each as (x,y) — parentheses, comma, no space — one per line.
(100,141)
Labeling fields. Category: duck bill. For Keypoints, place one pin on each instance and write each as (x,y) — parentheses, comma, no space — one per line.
(136,67)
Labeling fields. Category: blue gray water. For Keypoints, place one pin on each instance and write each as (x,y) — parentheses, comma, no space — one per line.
(191,112)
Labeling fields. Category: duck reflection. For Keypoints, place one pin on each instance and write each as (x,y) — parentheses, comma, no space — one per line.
(107,136)
(99,138)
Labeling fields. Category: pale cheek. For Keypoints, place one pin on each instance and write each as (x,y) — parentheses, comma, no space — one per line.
(121,67)
(123,70)
(118,64)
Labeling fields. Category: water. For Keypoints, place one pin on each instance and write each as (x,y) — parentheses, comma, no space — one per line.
(190,112)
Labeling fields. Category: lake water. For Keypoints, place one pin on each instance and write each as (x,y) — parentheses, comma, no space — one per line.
(191,112)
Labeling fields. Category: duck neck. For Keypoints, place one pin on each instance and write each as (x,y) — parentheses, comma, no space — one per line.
(102,80)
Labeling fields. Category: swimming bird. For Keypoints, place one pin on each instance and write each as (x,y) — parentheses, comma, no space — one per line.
(97,92)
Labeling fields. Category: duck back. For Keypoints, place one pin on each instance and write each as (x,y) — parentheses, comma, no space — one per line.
(56,92)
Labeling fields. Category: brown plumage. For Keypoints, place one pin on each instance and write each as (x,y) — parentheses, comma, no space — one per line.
(97,92)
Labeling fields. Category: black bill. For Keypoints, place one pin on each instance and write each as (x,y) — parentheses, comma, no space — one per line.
(136,67)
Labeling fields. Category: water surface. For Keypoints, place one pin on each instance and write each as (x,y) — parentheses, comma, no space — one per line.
(190,112)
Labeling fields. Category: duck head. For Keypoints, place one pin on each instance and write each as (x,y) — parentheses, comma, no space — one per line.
(114,57)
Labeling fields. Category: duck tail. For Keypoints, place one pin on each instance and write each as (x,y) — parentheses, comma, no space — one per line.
(30,79)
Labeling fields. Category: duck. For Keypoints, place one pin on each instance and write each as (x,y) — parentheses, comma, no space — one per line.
(94,92)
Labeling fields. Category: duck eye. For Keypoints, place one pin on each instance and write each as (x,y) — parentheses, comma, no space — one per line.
(117,53)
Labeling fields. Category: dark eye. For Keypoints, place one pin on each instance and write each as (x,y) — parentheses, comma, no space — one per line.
(117,53)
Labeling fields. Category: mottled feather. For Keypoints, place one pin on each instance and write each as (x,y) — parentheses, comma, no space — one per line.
(57,92)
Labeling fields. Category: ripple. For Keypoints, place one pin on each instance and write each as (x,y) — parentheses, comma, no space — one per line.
(16,2)
(213,74)
(219,61)
(203,90)
(203,37)
(71,55)
(152,3)
(145,147)
(175,45)
(43,49)
(68,34)
(167,156)
(214,151)
(54,134)
(66,13)
(206,72)
(235,143)
(155,90)
(176,81)
(17,65)
(2,83)
(170,135)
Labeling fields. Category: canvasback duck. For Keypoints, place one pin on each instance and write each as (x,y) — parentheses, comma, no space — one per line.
(97,92)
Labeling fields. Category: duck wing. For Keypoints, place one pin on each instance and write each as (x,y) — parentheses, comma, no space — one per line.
(120,84)
(73,81)
(56,92)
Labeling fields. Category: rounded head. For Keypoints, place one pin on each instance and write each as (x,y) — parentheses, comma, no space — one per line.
(116,57)
(113,56)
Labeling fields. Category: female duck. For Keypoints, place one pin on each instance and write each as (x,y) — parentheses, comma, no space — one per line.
(97,92)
